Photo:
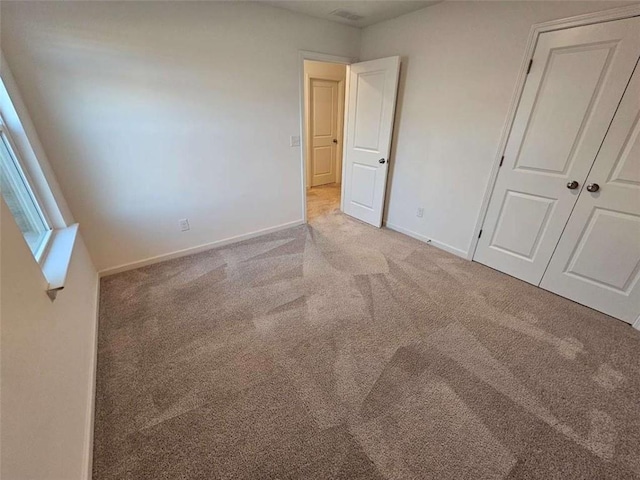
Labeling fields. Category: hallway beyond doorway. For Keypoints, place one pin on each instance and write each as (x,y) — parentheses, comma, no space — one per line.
(322,199)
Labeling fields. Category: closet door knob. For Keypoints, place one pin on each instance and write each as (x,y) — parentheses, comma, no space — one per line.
(593,187)
(572,185)
(382,160)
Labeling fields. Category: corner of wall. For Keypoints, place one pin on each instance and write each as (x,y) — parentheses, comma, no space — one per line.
(89,429)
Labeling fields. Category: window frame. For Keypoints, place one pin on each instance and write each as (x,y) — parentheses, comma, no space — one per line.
(43,248)
(54,255)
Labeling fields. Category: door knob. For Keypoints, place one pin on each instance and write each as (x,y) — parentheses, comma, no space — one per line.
(572,185)
(382,160)
(593,187)
(335,140)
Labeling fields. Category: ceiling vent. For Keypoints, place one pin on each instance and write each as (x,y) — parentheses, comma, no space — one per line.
(346,14)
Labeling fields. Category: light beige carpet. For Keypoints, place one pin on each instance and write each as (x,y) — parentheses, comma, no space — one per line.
(336,350)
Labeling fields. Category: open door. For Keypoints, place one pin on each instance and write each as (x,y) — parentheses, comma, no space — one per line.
(372,102)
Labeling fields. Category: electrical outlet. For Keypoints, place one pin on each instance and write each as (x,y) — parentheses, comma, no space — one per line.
(420,212)
(184,224)
(294,141)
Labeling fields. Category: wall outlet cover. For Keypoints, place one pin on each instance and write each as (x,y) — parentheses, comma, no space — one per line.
(295,141)
(184,224)
(420,212)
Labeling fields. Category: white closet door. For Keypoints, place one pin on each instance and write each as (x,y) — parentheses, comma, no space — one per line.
(597,262)
(372,103)
(577,78)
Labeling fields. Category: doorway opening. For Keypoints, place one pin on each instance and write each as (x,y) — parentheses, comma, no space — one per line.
(346,134)
(324,107)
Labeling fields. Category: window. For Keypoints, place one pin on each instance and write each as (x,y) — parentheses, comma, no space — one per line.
(20,199)
(49,232)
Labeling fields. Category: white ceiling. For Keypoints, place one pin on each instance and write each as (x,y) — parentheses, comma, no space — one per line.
(372,11)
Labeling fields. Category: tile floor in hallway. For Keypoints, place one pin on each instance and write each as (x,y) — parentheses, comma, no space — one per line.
(322,199)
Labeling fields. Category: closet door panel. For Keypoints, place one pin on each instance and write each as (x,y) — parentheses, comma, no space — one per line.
(576,81)
(597,262)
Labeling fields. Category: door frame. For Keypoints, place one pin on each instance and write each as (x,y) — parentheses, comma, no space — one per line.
(536,30)
(318,57)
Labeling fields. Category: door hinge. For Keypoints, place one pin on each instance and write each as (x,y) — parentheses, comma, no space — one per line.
(480,234)
(529,67)
(501,160)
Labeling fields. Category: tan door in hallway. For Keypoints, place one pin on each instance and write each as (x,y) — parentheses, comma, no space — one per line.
(323,102)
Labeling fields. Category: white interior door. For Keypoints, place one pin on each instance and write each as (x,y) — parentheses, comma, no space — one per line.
(372,101)
(597,262)
(577,78)
(323,100)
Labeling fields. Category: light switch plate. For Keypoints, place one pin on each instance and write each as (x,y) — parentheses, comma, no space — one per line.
(295,141)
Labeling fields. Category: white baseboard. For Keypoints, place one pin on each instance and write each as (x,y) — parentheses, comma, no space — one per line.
(89,428)
(430,241)
(636,324)
(197,249)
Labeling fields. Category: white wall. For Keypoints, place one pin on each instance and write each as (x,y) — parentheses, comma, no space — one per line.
(155,111)
(460,61)
(47,363)
(48,350)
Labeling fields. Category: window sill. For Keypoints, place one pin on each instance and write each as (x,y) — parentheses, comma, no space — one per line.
(56,263)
